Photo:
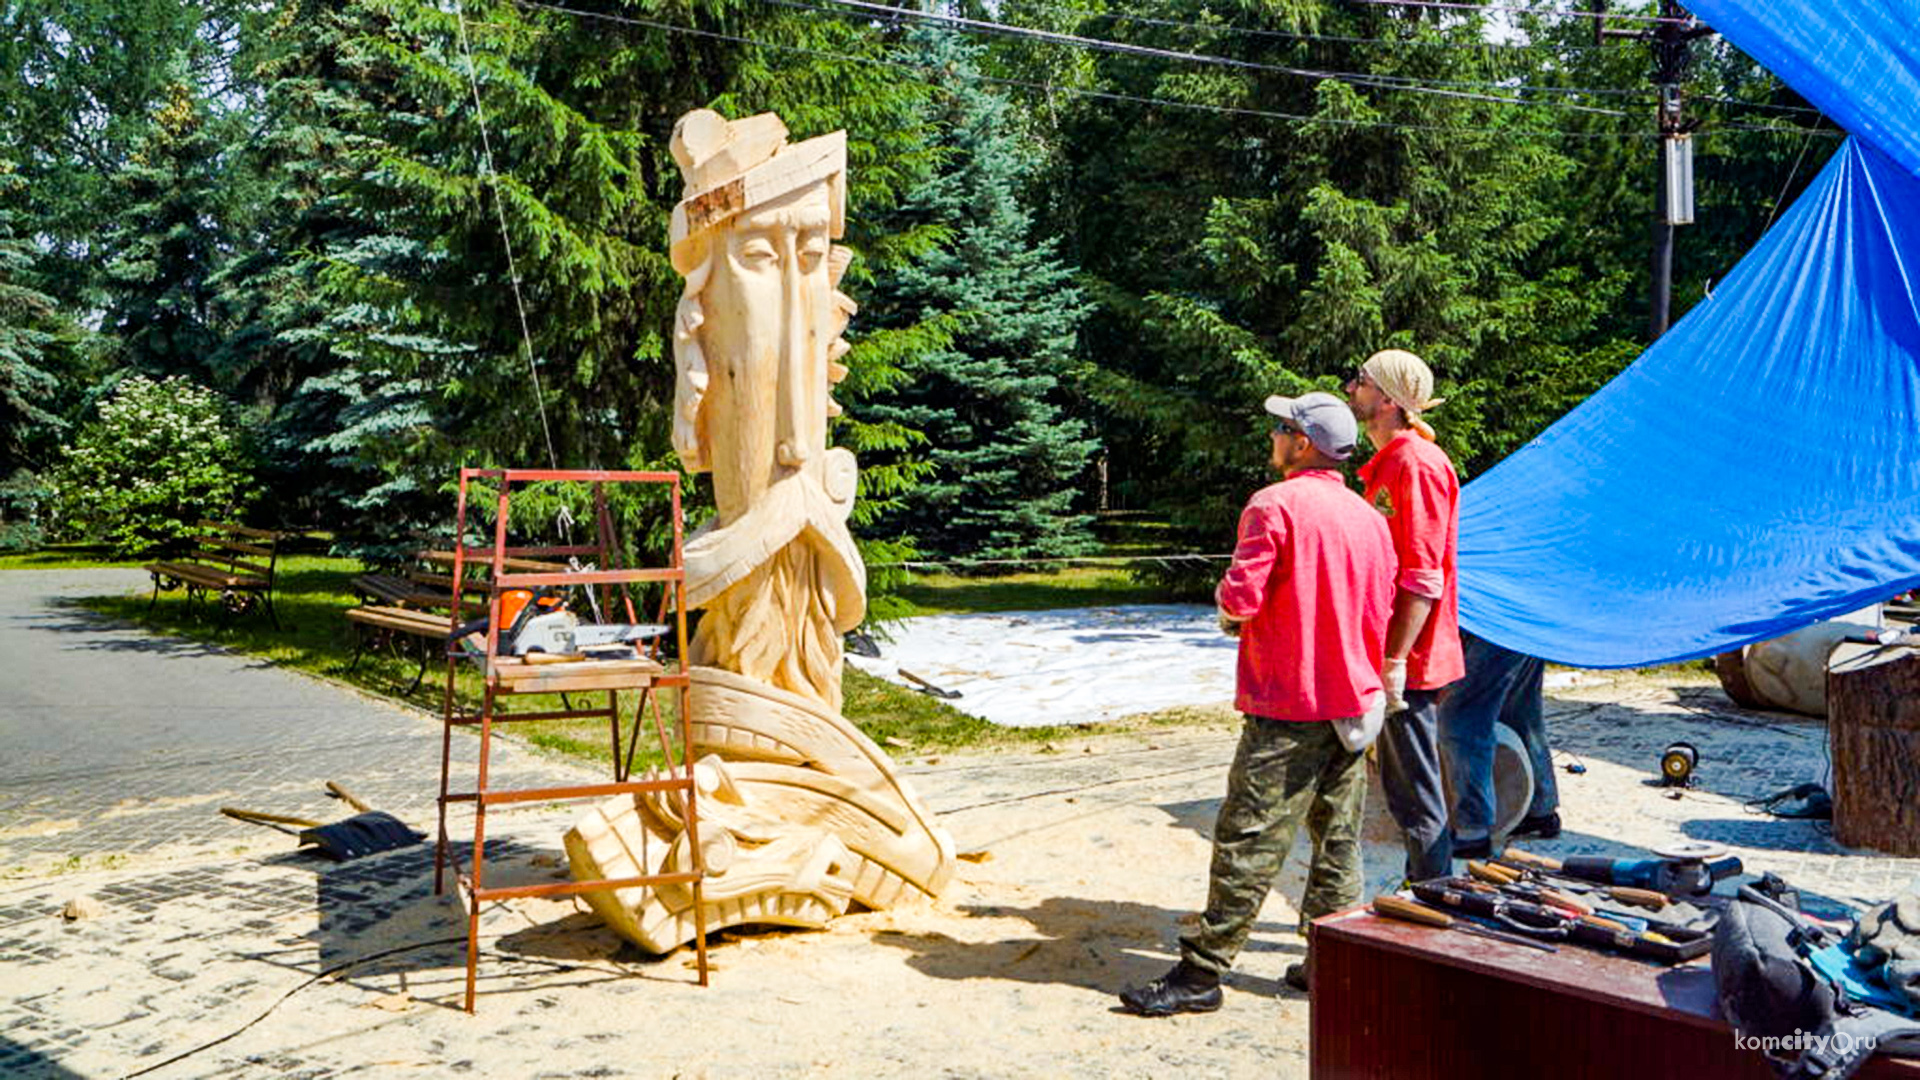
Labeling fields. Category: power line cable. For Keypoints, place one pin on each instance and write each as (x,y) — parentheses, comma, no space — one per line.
(1290,36)
(1756,104)
(1162,559)
(1791,173)
(506,240)
(1407,84)
(1075,91)
(1639,96)
(1448,5)
(940,75)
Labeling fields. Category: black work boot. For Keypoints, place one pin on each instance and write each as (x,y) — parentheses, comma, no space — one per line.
(1481,848)
(1299,976)
(1184,989)
(1545,826)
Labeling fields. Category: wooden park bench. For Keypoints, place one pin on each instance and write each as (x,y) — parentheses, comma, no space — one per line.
(412,608)
(392,625)
(232,561)
(424,588)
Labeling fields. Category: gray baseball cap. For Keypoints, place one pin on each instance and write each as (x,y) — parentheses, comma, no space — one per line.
(1326,419)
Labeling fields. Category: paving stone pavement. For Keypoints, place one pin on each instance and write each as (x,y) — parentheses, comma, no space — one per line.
(123,743)
(220,951)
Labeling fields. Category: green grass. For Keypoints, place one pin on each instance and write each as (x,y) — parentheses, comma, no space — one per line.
(63,557)
(1073,586)
(313,592)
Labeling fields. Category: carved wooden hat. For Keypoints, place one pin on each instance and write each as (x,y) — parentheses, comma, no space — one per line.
(731,166)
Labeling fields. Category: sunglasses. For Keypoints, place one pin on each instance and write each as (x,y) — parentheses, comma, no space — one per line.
(1286,430)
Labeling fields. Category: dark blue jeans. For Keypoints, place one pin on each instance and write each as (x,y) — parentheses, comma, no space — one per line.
(1501,687)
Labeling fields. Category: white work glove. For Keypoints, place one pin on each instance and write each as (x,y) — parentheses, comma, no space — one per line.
(1393,677)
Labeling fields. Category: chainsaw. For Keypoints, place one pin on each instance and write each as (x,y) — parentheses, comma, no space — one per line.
(538,622)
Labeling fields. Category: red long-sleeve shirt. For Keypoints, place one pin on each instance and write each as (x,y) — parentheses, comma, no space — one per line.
(1312,575)
(1413,484)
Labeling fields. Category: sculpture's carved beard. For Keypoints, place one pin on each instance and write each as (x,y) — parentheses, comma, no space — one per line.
(775,626)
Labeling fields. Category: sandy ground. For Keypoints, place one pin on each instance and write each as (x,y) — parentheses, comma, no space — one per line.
(1086,856)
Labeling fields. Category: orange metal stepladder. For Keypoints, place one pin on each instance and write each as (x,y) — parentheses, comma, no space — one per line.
(511,574)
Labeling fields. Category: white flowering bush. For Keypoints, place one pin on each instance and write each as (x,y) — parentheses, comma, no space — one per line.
(160,457)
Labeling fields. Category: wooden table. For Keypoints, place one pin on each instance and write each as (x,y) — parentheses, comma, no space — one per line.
(1391,999)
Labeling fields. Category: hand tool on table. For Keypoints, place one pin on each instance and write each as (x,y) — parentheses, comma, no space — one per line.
(1533,869)
(1505,881)
(1394,907)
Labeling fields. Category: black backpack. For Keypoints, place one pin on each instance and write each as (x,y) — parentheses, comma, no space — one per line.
(1804,1022)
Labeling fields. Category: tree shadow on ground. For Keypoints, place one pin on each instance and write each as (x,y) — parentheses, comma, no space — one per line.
(70,618)
(26,1063)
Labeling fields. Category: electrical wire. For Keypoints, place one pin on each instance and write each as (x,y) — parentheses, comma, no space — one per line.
(1638,96)
(506,240)
(1339,39)
(941,75)
(283,998)
(1791,174)
(1054,560)
(1406,84)
(1449,5)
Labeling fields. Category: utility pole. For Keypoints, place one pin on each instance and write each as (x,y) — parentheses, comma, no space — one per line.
(1671,39)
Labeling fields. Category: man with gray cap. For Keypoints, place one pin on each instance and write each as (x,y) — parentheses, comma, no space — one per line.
(1413,485)
(1309,592)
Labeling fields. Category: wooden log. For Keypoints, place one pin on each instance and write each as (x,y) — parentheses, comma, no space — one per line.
(1873,723)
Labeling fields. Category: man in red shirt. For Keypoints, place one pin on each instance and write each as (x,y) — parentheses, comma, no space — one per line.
(1411,482)
(1309,592)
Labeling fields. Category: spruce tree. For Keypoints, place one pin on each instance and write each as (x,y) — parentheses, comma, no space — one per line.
(1008,453)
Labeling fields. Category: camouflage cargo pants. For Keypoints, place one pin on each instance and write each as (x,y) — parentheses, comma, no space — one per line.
(1283,773)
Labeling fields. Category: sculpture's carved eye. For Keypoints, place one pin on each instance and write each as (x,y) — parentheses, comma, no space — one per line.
(813,249)
(757,252)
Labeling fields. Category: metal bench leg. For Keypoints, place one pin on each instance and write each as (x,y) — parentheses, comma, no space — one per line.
(359,646)
(426,653)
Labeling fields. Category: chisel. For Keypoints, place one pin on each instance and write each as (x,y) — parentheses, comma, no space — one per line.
(1394,907)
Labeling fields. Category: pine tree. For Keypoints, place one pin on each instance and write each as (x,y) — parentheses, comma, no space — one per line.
(1236,256)
(392,208)
(37,345)
(1008,455)
(168,243)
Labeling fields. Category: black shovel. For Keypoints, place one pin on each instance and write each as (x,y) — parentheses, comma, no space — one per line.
(365,833)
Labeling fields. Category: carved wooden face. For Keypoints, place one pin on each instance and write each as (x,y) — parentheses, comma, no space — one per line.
(766,334)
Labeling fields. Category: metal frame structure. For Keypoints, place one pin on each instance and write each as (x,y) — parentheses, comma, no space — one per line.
(521,567)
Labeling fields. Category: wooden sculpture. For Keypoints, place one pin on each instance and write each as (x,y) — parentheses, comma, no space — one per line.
(799,809)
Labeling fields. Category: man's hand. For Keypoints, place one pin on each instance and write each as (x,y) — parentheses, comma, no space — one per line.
(1229,625)
(1393,674)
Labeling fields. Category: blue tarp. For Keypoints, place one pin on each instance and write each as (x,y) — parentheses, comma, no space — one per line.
(1758,468)
(1858,61)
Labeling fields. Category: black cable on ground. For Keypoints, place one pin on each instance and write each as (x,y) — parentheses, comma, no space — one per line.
(282,999)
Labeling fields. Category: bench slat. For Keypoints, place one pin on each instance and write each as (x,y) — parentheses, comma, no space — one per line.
(407,620)
(220,545)
(224,527)
(400,591)
(212,576)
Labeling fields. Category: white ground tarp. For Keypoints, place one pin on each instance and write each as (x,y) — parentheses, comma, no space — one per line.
(1069,666)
